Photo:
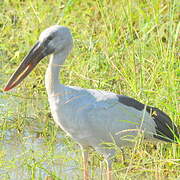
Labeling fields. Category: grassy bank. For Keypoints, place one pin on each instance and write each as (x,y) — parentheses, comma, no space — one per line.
(128,47)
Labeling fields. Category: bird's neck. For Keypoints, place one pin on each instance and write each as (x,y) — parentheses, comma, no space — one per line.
(52,81)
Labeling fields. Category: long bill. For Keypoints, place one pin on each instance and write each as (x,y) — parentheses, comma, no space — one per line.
(30,61)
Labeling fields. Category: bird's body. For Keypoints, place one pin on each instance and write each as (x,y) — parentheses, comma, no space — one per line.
(86,115)
(91,117)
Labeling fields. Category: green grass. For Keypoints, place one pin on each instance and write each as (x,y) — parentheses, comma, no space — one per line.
(129,47)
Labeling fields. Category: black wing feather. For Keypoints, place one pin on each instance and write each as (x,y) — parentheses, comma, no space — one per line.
(166,130)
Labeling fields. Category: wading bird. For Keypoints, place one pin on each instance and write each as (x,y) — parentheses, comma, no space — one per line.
(91,117)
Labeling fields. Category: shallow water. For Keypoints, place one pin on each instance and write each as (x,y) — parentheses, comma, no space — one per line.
(28,155)
(19,155)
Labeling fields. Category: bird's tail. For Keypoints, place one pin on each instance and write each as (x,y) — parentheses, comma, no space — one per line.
(166,130)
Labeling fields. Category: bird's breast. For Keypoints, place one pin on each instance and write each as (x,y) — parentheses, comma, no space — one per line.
(68,113)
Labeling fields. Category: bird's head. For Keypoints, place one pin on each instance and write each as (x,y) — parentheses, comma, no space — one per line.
(53,40)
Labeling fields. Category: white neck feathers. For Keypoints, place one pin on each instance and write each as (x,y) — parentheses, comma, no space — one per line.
(52,73)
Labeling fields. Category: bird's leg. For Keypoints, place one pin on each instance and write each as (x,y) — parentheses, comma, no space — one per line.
(109,169)
(85,164)
(109,173)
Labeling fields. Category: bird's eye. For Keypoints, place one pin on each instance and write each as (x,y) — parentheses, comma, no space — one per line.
(49,38)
